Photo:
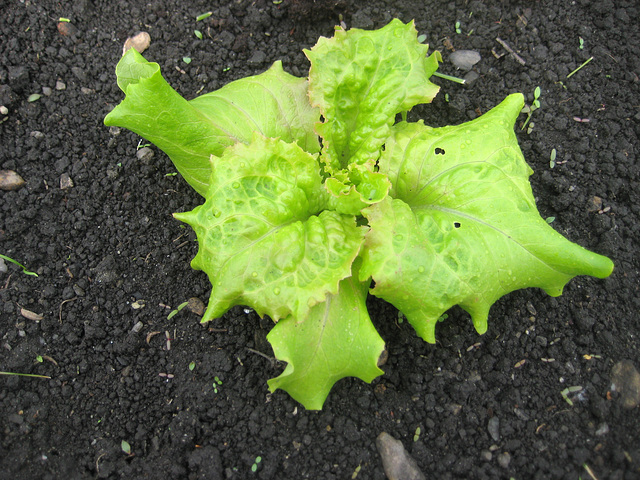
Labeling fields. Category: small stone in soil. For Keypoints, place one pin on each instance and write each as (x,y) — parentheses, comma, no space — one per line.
(65,181)
(140,42)
(494,428)
(397,463)
(195,305)
(625,379)
(10,180)
(504,459)
(66,28)
(464,59)
(145,154)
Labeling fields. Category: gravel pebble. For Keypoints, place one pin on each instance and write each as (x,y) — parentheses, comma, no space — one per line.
(625,379)
(397,463)
(10,180)
(504,459)
(494,428)
(464,59)
(140,42)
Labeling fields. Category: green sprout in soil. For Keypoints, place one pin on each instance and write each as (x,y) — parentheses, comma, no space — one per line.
(580,67)
(529,109)
(552,158)
(254,467)
(461,81)
(216,383)
(24,269)
(175,311)
(125,447)
(203,16)
(565,393)
(141,145)
(314,192)
(25,375)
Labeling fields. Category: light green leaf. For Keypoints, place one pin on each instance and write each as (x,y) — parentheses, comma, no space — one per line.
(464,228)
(355,187)
(335,340)
(273,103)
(360,80)
(264,240)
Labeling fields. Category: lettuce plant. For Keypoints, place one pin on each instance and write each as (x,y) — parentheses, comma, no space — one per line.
(314,193)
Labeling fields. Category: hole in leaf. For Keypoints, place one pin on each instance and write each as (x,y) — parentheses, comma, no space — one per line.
(439,151)
(456,224)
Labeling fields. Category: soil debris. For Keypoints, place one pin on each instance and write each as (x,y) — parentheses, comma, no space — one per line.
(67,29)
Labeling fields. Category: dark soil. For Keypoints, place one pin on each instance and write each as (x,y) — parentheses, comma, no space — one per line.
(487,406)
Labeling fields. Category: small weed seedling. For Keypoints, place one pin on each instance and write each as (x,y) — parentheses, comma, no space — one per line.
(579,68)
(529,109)
(24,269)
(175,311)
(216,383)
(314,191)
(126,448)
(203,16)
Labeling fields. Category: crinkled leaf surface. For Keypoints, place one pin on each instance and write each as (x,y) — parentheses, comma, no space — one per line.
(335,340)
(264,240)
(360,80)
(273,103)
(463,227)
(353,188)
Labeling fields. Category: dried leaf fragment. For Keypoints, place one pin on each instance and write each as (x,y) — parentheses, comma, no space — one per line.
(29,315)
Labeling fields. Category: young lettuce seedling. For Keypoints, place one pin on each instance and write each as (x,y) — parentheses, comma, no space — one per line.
(312,190)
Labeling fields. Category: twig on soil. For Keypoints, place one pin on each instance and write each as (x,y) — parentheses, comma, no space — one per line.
(60,310)
(589,471)
(272,360)
(25,375)
(504,44)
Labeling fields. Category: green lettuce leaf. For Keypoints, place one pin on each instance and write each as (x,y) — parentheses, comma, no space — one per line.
(360,80)
(264,239)
(273,103)
(335,340)
(353,188)
(463,227)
